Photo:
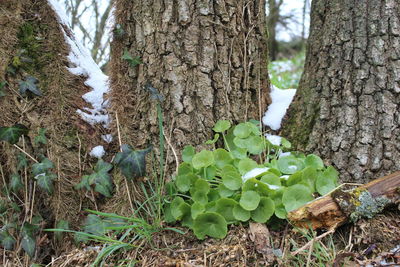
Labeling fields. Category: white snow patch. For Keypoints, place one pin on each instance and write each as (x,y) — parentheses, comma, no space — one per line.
(274,139)
(254,173)
(84,65)
(281,100)
(292,167)
(283,154)
(97,152)
(107,137)
(273,187)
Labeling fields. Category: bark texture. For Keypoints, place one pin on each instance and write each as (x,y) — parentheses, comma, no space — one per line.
(347,106)
(207,59)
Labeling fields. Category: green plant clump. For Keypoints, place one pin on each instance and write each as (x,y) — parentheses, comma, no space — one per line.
(250,178)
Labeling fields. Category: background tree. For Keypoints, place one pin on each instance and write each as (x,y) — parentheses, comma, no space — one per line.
(347,105)
(206,59)
(89,18)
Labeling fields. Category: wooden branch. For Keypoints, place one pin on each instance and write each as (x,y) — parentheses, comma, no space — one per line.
(340,206)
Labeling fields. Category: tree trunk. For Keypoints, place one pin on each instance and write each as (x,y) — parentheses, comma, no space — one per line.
(272,22)
(347,106)
(206,58)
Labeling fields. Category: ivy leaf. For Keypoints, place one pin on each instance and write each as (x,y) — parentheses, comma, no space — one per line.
(2,85)
(28,242)
(41,137)
(13,133)
(64,225)
(22,161)
(15,183)
(100,178)
(133,61)
(42,167)
(7,241)
(94,225)
(29,85)
(132,162)
(45,181)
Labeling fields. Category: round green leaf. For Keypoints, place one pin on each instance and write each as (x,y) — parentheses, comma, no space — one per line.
(210,224)
(213,194)
(296,196)
(310,175)
(245,165)
(175,210)
(255,185)
(183,182)
(240,213)
(222,158)
(224,207)
(242,130)
(239,153)
(187,219)
(203,159)
(188,153)
(264,211)
(271,179)
(232,180)
(240,142)
(326,181)
(295,178)
(185,168)
(255,145)
(222,126)
(196,209)
(280,211)
(211,206)
(199,196)
(314,161)
(290,164)
(224,191)
(202,186)
(285,143)
(249,200)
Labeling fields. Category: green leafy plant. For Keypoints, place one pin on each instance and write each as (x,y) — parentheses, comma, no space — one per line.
(132,162)
(2,86)
(13,133)
(29,85)
(100,179)
(249,178)
(17,233)
(133,61)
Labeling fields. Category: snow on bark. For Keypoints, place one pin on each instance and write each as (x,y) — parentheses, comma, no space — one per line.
(281,99)
(84,65)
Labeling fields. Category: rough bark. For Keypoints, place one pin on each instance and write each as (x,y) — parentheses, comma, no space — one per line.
(206,58)
(347,106)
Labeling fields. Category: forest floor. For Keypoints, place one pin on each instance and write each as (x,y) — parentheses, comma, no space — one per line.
(369,242)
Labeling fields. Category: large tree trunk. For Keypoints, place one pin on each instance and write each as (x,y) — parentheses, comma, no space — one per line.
(347,106)
(208,59)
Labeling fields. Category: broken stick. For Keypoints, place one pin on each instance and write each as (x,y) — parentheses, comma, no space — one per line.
(343,205)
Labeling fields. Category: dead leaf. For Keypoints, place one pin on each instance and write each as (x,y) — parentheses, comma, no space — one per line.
(259,234)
